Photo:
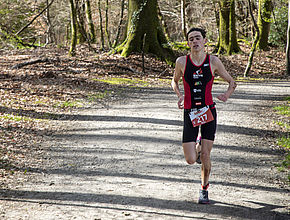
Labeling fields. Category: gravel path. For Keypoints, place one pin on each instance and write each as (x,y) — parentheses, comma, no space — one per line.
(125,161)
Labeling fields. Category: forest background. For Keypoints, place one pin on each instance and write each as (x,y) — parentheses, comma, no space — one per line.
(59,55)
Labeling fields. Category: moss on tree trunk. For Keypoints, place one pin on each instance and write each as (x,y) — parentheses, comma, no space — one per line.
(227,28)
(73,28)
(92,34)
(143,20)
(264,22)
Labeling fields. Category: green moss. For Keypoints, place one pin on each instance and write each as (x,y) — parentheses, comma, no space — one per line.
(283,110)
(124,81)
(284,142)
(15,118)
(69,104)
(99,95)
(248,79)
(283,124)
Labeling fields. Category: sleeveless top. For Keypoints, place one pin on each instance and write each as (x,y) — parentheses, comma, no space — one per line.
(197,82)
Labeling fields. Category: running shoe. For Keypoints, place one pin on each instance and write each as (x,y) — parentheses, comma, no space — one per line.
(203,197)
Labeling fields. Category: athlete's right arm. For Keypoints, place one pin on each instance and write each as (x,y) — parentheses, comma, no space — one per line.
(179,67)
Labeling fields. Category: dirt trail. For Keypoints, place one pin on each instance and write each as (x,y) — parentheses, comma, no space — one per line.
(125,161)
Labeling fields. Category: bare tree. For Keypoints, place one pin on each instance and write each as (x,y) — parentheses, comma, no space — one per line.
(251,56)
(107,24)
(120,23)
(101,25)
(92,34)
(182,15)
(288,42)
(73,28)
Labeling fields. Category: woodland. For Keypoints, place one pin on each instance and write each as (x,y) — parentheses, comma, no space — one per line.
(58,55)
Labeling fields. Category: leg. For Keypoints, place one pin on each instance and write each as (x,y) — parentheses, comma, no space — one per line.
(207,134)
(189,150)
(206,147)
(188,140)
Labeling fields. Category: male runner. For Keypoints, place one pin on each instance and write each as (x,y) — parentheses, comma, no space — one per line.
(198,70)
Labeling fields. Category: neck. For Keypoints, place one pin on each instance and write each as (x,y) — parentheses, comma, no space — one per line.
(198,57)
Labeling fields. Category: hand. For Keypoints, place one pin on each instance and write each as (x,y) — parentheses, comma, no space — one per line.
(223,97)
(180,102)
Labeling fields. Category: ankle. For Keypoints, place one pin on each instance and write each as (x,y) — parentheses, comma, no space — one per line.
(205,187)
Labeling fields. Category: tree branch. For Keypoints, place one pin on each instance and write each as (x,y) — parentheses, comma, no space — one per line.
(22,29)
(251,56)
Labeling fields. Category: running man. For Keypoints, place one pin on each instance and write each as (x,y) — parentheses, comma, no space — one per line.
(197,71)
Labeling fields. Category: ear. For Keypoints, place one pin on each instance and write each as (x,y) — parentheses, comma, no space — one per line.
(205,40)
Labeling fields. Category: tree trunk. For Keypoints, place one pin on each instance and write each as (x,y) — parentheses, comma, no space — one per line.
(143,19)
(227,28)
(73,28)
(107,24)
(80,8)
(120,23)
(288,42)
(92,34)
(182,15)
(264,22)
(163,24)
(251,56)
(101,25)
(49,35)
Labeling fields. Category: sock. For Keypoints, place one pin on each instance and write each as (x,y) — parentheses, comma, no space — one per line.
(205,187)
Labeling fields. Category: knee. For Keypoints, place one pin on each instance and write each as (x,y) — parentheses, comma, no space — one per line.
(204,156)
(190,161)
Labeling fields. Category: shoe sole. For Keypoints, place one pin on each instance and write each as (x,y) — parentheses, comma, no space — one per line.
(203,203)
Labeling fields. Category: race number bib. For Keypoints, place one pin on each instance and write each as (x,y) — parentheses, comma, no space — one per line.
(200,116)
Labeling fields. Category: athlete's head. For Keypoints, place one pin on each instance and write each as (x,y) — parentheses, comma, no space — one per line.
(196,39)
(202,31)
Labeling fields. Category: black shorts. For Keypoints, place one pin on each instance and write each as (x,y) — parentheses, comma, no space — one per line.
(190,133)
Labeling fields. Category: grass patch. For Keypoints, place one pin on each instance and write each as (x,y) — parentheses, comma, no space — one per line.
(284,141)
(284,165)
(15,118)
(98,95)
(283,124)
(69,104)
(124,81)
(283,110)
(166,81)
(248,79)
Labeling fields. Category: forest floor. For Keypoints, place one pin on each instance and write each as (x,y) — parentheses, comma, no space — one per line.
(93,137)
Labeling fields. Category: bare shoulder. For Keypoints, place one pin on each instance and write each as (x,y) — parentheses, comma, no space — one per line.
(214,60)
(216,65)
(181,60)
(180,64)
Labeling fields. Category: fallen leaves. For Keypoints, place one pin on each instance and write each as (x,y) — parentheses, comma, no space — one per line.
(36,95)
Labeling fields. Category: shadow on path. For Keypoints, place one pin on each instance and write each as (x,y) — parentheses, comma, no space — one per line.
(217,208)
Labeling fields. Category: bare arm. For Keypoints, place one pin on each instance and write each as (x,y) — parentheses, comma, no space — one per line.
(220,70)
(179,66)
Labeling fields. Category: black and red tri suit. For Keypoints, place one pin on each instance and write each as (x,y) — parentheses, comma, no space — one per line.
(197,82)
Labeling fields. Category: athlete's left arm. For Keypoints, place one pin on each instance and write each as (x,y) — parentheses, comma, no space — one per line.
(219,69)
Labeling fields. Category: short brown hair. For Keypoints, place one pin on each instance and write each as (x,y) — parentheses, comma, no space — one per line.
(202,31)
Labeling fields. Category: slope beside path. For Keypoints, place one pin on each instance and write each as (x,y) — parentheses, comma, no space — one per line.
(124,161)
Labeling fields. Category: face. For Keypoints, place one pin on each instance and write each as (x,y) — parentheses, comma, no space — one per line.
(196,41)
